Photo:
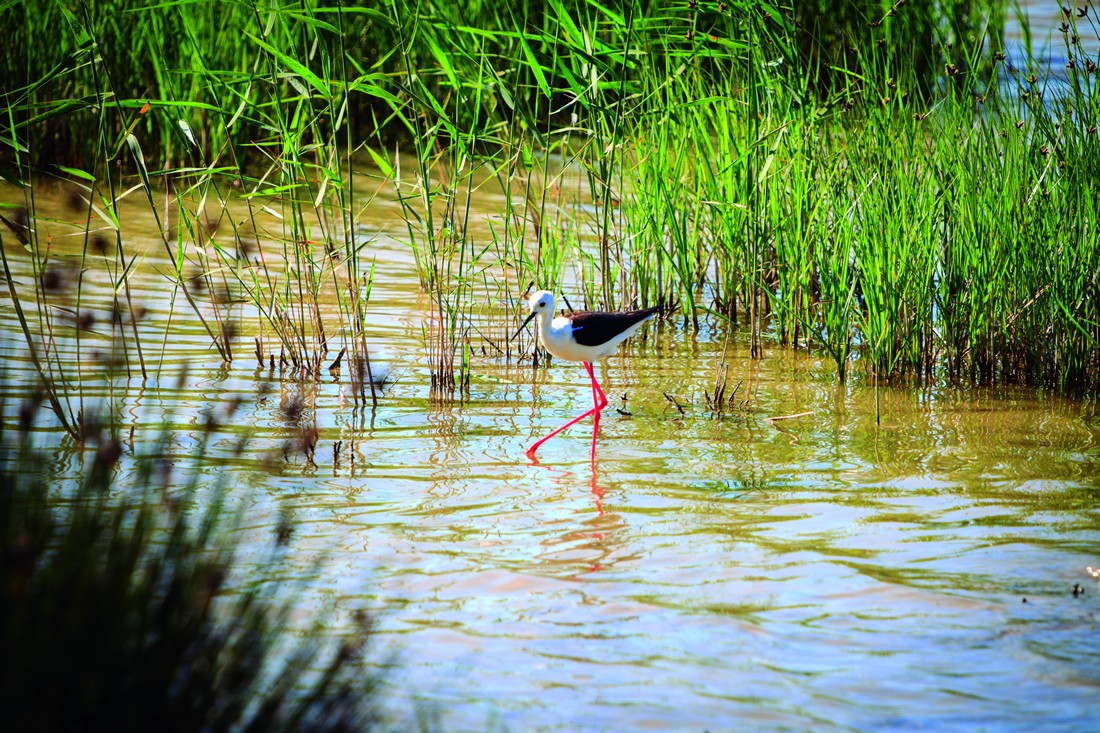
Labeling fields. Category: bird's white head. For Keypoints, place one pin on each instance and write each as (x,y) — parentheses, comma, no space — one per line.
(539,303)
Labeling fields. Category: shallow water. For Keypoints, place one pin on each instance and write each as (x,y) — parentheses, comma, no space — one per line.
(1044,19)
(832,571)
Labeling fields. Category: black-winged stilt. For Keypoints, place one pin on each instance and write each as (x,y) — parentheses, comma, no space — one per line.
(584,337)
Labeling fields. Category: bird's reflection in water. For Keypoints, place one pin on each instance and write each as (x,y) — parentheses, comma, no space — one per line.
(595,543)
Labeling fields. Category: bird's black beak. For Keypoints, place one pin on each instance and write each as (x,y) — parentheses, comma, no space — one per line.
(522,327)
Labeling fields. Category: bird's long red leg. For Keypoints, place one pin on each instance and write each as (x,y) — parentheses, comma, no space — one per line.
(596,412)
(535,446)
(599,405)
(599,401)
(598,397)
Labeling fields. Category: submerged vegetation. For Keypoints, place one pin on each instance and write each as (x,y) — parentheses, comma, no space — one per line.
(877,182)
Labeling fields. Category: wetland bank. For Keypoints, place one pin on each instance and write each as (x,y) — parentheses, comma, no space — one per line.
(286,260)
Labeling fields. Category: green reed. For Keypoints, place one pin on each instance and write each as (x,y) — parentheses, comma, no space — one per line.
(860,181)
(863,217)
(437,200)
(253,192)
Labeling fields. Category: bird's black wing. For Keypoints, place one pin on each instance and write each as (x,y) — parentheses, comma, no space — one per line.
(593,329)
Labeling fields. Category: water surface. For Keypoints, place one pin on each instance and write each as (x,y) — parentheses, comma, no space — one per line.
(895,560)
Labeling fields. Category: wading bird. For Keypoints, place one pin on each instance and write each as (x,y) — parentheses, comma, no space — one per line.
(584,337)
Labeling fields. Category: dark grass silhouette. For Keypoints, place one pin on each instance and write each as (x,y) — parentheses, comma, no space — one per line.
(111,618)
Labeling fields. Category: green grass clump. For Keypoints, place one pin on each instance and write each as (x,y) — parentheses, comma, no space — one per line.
(113,614)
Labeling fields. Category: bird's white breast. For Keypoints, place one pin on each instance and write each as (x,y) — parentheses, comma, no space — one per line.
(558,340)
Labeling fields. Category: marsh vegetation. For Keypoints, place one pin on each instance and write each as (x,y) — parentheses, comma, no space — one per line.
(329,214)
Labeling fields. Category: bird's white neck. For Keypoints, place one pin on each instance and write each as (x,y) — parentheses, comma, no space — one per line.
(544,319)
